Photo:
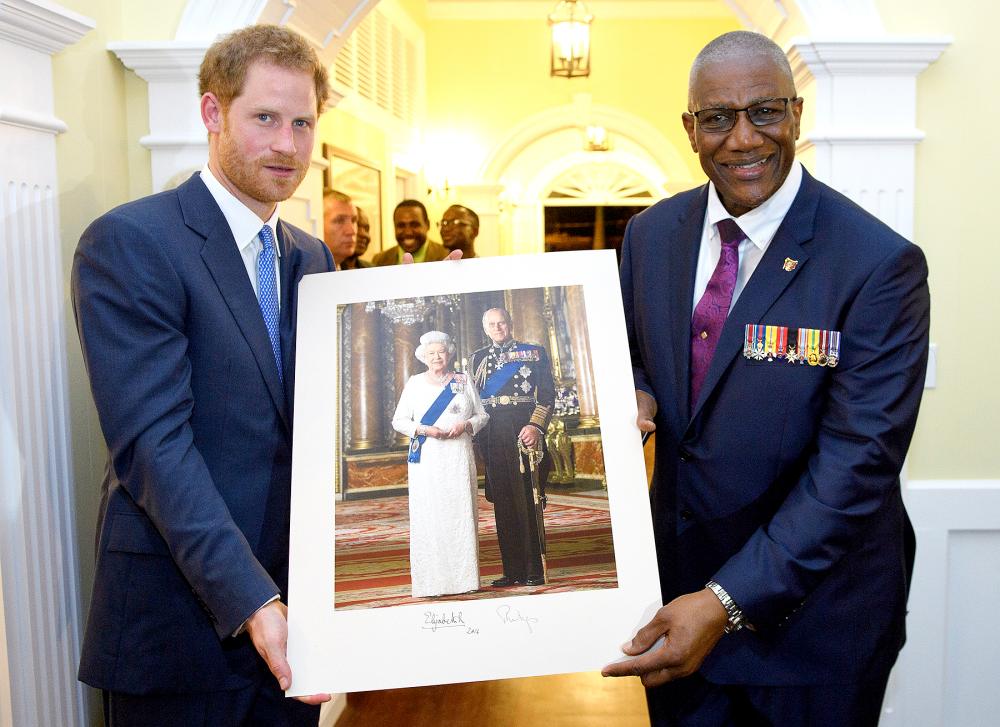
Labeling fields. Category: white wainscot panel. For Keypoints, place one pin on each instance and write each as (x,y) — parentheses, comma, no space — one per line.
(972,653)
(947,673)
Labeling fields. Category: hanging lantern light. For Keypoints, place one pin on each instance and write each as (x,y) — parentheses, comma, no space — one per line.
(570,27)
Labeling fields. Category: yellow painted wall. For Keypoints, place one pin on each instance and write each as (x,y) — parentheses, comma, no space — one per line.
(484,77)
(957,436)
(416,9)
(346,133)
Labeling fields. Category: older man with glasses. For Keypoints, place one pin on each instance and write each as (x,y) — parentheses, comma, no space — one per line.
(778,335)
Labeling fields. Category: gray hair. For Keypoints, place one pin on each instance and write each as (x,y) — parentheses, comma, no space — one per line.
(434,337)
(506,315)
(739,44)
(337,195)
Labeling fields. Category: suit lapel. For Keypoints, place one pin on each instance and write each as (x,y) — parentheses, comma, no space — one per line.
(224,263)
(291,260)
(679,297)
(767,283)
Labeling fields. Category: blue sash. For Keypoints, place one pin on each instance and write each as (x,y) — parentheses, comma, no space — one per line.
(430,416)
(503,374)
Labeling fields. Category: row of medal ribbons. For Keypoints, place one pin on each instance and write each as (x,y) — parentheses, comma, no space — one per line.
(813,346)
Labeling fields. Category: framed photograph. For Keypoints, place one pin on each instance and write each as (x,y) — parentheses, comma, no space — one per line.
(361,180)
(469,497)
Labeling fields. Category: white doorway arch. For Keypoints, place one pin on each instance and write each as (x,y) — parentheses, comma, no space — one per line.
(550,146)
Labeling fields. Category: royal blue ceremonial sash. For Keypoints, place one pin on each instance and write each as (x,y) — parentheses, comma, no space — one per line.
(503,374)
(430,416)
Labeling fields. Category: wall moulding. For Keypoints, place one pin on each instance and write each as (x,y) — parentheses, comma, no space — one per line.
(41,26)
(26,119)
(863,136)
(885,56)
(169,60)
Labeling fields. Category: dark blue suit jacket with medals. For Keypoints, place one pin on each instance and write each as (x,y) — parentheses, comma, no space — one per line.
(783,485)
(193,529)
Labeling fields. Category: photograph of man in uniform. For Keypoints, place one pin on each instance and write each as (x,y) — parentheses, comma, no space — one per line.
(514,379)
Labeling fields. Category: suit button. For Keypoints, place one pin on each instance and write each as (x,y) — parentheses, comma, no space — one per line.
(686,515)
(684,455)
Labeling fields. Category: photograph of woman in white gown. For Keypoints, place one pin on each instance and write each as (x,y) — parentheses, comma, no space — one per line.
(440,411)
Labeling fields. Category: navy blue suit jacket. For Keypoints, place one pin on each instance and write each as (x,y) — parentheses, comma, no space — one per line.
(193,528)
(783,485)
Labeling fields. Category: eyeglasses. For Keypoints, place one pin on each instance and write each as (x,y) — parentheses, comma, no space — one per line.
(445,224)
(763,113)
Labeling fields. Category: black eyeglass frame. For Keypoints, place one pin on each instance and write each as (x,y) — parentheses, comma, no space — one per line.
(736,113)
(453,223)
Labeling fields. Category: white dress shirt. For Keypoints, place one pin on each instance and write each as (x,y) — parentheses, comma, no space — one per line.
(245,226)
(759,225)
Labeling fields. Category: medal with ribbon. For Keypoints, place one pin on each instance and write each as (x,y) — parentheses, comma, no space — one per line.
(814,346)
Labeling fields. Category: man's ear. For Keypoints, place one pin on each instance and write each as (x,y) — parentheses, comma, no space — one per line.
(688,121)
(211,113)
(797,104)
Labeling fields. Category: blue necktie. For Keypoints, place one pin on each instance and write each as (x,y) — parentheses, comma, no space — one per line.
(267,294)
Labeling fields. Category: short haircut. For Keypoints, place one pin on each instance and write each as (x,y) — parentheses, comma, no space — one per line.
(472,213)
(413,203)
(738,44)
(223,72)
(506,315)
(337,195)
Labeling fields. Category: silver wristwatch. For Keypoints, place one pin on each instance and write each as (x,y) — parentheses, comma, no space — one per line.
(736,618)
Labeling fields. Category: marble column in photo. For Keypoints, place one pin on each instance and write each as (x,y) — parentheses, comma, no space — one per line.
(405,340)
(367,426)
(579,337)
(527,309)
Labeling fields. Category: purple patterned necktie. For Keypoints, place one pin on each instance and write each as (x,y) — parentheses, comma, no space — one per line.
(711,311)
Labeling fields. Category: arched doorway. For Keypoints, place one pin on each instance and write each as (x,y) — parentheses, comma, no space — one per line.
(588,206)
(545,161)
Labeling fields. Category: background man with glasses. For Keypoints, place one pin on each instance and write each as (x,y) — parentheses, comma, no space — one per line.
(779,341)
(459,228)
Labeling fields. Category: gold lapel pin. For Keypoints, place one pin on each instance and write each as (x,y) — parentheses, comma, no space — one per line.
(790,265)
